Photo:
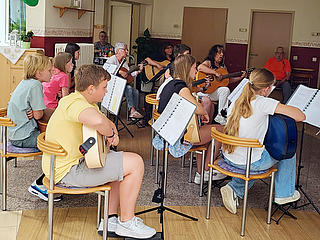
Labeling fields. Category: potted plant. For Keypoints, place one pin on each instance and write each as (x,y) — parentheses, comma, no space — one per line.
(26,38)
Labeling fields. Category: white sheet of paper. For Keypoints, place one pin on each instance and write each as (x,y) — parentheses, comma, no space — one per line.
(110,68)
(174,119)
(113,98)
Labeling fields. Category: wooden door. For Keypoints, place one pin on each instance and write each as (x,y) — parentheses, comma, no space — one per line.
(203,28)
(268,31)
(120,23)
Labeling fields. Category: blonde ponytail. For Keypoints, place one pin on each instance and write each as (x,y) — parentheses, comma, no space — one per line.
(259,79)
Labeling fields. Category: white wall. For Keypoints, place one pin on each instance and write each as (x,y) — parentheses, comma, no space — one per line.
(167,13)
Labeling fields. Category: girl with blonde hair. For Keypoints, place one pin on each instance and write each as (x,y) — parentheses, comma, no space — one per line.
(184,72)
(248,118)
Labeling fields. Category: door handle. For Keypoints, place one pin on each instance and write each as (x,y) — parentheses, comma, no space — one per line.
(253,55)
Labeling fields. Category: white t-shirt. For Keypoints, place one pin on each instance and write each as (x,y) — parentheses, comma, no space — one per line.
(113,60)
(255,127)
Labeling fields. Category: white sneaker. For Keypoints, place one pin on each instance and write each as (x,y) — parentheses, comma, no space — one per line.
(293,198)
(229,198)
(216,175)
(112,225)
(134,228)
(220,119)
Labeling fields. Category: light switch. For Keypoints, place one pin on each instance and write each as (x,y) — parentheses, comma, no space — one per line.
(295,58)
(314,59)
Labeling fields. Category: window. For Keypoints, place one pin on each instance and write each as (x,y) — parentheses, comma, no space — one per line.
(12,16)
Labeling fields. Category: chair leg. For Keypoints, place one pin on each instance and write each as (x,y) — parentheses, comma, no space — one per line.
(157,167)
(15,163)
(210,181)
(244,212)
(50,216)
(190,168)
(202,173)
(4,183)
(270,198)
(152,148)
(105,214)
(99,209)
(182,160)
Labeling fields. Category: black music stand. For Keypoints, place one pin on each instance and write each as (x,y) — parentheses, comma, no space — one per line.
(298,184)
(159,195)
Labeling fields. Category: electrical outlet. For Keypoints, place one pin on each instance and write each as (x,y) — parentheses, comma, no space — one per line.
(295,58)
(314,59)
(242,30)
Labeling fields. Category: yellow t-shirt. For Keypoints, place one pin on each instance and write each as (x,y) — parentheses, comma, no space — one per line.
(65,129)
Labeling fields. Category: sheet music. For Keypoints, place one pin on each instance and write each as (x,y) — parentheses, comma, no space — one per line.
(308,101)
(110,68)
(113,98)
(238,90)
(174,119)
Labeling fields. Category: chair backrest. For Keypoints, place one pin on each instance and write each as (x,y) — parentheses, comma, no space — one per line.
(49,147)
(235,141)
(3,112)
(155,114)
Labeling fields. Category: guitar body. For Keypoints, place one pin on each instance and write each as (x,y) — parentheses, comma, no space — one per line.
(193,135)
(224,82)
(129,77)
(96,155)
(152,70)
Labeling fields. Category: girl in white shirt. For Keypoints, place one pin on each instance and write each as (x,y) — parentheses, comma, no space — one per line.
(248,118)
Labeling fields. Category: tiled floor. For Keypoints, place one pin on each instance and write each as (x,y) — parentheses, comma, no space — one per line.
(9,224)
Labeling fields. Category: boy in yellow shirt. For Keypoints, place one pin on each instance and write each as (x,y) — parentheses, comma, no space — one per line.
(123,170)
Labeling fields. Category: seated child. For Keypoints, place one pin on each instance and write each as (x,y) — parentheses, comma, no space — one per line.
(26,104)
(59,82)
(123,170)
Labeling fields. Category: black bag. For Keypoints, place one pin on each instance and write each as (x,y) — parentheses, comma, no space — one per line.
(281,138)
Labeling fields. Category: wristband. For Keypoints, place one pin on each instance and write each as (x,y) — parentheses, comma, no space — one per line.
(113,133)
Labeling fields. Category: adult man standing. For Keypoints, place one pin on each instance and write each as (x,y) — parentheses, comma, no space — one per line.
(281,69)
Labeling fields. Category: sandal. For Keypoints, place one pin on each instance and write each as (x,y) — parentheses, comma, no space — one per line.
(141,124)
(135,114)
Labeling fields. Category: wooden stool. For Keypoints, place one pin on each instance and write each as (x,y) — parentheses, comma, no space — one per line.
(151,99)
(56,150)
(221,166)
(9,152)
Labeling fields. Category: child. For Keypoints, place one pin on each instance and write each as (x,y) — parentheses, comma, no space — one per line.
(248,118)
(59,82)
(123,170)
(26,105)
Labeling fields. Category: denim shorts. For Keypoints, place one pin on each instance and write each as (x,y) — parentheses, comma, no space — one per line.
(29,142)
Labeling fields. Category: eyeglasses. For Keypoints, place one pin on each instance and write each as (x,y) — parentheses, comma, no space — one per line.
(124,49)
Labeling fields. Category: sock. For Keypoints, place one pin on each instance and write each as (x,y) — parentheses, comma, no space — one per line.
(112,215)
(39,180)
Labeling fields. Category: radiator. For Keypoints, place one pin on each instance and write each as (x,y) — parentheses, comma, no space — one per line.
(86,52)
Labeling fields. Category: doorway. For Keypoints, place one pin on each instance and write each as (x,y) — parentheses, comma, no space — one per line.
(268,30)
(203,28)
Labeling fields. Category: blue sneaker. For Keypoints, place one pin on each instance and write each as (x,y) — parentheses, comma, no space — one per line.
(41,192)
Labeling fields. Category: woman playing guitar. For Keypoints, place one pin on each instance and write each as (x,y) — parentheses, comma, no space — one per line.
(184,73)
(211,66)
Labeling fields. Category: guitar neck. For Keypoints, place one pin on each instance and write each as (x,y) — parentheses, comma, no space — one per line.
(230,75)
(136,68)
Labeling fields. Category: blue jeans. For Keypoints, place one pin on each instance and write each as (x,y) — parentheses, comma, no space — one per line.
(285,177)
(132,96)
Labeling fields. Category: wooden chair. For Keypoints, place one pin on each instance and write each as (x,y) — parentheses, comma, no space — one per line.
(301,76)
(197,150)
(9,152)
(151,99)
(246,175)
(56,150)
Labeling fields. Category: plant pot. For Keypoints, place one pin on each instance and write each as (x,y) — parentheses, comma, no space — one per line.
(26,45)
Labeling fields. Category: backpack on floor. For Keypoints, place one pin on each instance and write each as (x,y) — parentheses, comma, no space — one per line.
(281,138)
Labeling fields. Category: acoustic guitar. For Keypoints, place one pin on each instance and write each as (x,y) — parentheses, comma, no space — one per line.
(96,155)
(136,68)
(215,82)
(192,135)
(152,70)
